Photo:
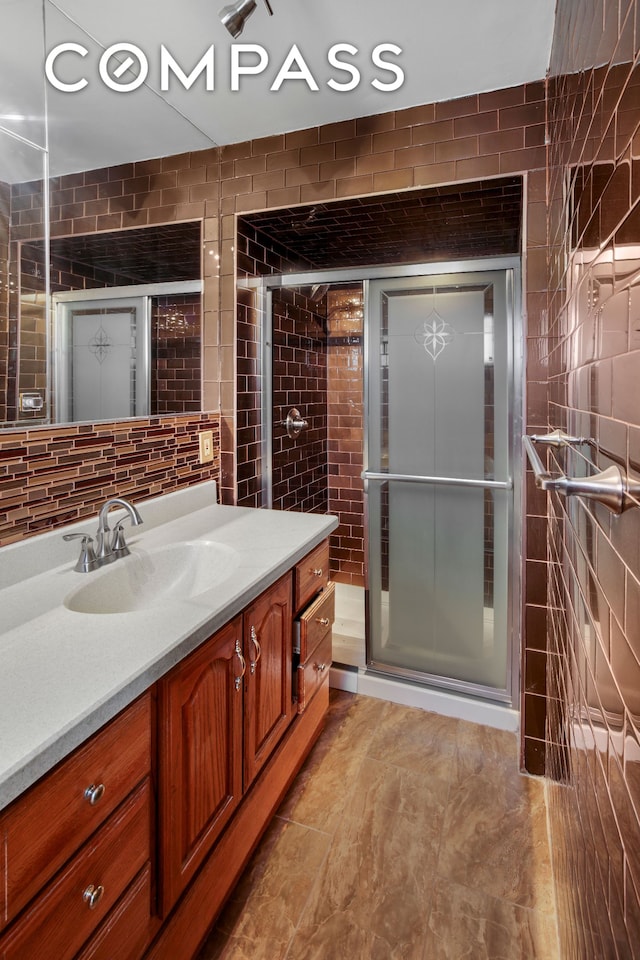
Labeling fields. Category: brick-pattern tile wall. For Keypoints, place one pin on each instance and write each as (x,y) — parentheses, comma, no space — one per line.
(534,646)
(257,255)
(52,476)
(593,676)
(176,355)
(345,330)
(299,381)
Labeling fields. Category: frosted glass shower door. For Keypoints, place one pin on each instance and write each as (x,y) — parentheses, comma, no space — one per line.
(438,479)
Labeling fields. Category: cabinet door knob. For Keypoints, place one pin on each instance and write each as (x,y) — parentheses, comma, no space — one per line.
(256,643)
(94,793)
(323,620)
(317,571)
(320,667)
(243,665)
(93,895)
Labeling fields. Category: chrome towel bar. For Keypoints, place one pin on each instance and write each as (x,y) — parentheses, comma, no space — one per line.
(438,481)
(614,488)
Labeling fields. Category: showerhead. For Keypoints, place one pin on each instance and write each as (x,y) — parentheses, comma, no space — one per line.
(318,291)
(235,15)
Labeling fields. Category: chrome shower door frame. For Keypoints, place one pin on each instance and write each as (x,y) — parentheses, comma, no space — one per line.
(511,268)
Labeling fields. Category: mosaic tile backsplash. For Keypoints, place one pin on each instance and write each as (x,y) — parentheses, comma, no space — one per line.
(52,476)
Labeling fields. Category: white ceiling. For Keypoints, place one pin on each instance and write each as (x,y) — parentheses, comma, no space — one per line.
(450,48)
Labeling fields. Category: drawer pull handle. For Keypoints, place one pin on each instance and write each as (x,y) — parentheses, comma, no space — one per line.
(258,649)
(94,793)
(323,620)
(320,667)
(317,571)
(243,665)
(93,895)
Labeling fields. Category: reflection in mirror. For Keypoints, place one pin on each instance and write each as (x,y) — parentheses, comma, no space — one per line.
(125,325)
(23,308)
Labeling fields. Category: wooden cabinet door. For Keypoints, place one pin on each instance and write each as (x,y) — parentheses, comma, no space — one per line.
(268,694)
(200,755)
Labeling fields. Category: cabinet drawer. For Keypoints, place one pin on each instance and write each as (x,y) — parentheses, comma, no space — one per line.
(312,673)
(51,821)
(126,932)
(311,575)
(315,622)
(62,918)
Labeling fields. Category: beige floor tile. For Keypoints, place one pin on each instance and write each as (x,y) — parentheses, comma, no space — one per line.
(480,747)
(317,797)
(406,836)
(417,740)
(495,838)
(260,919)
(373,894)
(467,923)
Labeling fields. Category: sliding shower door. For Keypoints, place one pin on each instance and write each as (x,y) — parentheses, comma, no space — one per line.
(438,482)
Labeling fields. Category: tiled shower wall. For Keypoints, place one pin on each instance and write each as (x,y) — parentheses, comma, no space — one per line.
(345,352)
(176,363)
(593,678)
(299,381)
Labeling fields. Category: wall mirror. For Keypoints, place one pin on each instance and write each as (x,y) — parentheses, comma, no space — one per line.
(108,325)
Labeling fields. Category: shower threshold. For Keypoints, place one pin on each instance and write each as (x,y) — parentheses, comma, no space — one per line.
(350,673)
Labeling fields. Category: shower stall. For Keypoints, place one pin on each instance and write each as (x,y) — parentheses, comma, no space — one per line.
(404,383)
(379,378)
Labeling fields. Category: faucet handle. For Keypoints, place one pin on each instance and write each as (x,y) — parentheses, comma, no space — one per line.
(118,543)
(87,561)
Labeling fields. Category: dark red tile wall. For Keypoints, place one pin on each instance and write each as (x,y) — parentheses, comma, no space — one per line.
(260,255)
(176,354)
(345,328)
(299,381)
(592,683)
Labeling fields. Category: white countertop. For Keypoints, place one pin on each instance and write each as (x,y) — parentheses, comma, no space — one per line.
(63,674)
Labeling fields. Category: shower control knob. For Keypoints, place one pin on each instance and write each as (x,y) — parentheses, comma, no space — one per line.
(295,423)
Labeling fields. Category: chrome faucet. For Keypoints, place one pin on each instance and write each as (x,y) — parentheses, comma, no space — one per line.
(107,549)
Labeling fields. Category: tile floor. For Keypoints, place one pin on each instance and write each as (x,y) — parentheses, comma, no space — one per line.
(406,836)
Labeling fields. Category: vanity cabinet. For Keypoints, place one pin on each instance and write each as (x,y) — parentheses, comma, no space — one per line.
(129,848)
(221,711)
(268,708)
(77,840)
(200,755)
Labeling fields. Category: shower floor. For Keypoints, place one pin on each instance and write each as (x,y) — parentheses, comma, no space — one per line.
(348,628)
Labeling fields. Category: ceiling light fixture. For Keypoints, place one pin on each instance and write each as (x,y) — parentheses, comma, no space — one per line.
(235,15)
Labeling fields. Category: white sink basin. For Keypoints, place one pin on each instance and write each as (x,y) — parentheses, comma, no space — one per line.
(155,578)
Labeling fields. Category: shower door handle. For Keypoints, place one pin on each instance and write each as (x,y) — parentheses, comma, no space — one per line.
(437,481)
